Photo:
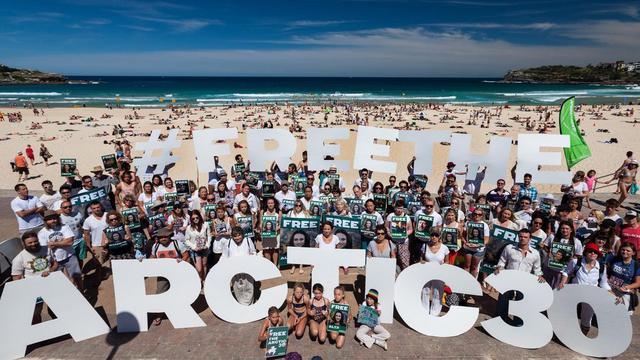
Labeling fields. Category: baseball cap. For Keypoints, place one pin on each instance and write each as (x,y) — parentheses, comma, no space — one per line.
(631,214)
(50,214)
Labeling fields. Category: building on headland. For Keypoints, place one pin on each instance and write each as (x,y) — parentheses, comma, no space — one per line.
(620,65)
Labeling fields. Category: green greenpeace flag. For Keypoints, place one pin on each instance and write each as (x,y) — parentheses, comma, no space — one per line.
(579,150)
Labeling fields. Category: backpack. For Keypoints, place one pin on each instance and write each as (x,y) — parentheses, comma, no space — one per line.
(175,245)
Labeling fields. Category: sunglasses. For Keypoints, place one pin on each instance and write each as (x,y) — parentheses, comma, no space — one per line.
(113,219)
(65,192)
(428,206)
(455,203)
(478,214)
(66,207)
(298,204)
(380,233)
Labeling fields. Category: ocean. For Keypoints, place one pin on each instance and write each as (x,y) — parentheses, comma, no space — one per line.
(218,91)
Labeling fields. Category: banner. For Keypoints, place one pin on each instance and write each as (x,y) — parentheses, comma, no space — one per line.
(299,232)
(578,150)
(276,344)
(499,238)
(338,317)
(96,194)
(347,229)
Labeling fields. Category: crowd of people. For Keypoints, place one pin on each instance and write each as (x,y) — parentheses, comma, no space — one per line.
(116,215)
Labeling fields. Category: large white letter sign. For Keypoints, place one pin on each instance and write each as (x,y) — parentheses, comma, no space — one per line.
(152,145)
(536,330)
(317,149)
(217,289)
(133,304)
(260,157)
(424,141)
(614,323)
(326,263)
(366,148)
(496,160)
(409,286)
(381,275)
(74,315)
(206,146)
(530,156)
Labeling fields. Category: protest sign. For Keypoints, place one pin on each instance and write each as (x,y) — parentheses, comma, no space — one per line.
(246,223)
(380,200)
(109,162)
(347,229)
(368,316)
(253,180)
(131,218)
(338,317)
(450,238)
(268,188)
(420,182)
(299,232)
(276,344)
(413,207)
(182,188)
(269,231)
(368,223)
(157,222)
(560,255)
(499,238)
(356,206)
(399,228)
(299,182)
(67,167)
(209,212)
(486,209)
(334,181)
(475,233)
(170,198)
(316,208)
(424,224)
(287,204)
(238,170)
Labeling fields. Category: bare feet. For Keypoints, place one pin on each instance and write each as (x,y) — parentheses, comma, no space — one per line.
(157,321)
(301,271)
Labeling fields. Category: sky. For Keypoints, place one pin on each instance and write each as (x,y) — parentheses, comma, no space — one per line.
(418,38)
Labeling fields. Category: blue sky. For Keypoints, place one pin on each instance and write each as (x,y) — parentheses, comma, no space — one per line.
(314,38)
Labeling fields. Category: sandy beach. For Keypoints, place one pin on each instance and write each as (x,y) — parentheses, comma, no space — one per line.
(68,134)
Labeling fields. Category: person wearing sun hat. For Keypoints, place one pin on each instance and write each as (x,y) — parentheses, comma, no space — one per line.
(586,271)
(379,335)
(105,181)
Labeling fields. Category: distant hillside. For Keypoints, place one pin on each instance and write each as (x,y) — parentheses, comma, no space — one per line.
(558,74)
(13,76)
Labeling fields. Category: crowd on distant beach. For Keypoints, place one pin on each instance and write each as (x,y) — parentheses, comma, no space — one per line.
(114,214)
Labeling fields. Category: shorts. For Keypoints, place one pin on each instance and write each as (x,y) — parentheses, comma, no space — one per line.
(474,253)
(71,265)
(22,170)
(80,250)
(201,253)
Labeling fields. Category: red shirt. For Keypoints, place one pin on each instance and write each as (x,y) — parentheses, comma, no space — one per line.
(631,235)
(29,152)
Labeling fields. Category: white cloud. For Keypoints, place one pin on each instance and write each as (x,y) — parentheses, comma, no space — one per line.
(375,52)
(314,23)
(37,17)
(137,28)
(524,26)
(180,25)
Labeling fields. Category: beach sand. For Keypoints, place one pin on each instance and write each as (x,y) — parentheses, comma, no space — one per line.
(76,139)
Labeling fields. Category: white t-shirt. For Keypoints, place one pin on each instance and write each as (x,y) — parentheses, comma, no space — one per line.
(58,233)
(148,200)
(230,248)
(332,245)
(437,257)
(95,227)
(74,222)
(48,200)
(290,195)
(379,219)
(31,265)
(30,221)
(178,234)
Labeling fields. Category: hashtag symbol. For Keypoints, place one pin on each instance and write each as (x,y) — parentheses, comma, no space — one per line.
(149,165)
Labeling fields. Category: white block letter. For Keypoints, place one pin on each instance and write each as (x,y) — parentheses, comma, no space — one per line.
(366,149)
(206,146)
(74,315)
(217,289)
(614,323)
(326,263)
(381,275)
(530,156)
(496,160)
(536,330)
(317,149)
(133,304)
(260,157)
(409,286)
(424,141)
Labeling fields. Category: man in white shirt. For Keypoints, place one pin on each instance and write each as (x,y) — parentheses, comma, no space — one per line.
(283,194)
(364,175)
(246,194)
(521,258)
(73,219)
(50,196)
(308,197)
(65,195)
(28,210)
(223,177)
(59,239)
(334,171)
(243,285)
(93,227)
